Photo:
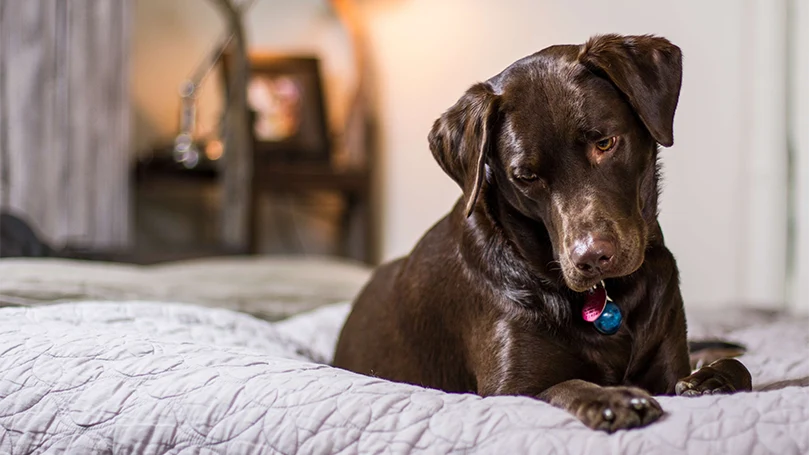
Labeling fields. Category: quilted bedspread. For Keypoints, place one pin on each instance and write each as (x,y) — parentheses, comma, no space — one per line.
(143,378)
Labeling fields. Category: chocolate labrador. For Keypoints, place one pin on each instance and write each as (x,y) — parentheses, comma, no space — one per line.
(550,277)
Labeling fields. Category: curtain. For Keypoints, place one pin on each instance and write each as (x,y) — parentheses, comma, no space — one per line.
(65,118)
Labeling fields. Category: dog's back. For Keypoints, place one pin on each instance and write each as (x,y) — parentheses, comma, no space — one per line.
(401,315)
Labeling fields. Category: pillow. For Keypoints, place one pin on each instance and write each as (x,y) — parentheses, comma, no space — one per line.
(268,287)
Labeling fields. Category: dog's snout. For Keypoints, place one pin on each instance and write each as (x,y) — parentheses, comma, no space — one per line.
(593,255)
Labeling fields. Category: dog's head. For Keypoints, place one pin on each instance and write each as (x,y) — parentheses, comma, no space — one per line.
(568,137)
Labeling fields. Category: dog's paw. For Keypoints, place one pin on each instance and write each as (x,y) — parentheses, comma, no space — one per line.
(720,377)
(618,408)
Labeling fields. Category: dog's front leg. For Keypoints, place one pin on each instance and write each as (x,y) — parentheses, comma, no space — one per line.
(604,408)
(668,370)
(601,408)
(722,376)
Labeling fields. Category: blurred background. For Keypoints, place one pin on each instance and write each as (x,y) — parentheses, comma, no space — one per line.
(153,130)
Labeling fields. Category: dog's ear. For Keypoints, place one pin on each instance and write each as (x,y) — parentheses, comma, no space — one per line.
(460,139)
(647,70)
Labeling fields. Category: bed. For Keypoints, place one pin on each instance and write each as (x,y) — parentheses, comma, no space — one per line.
(144,373)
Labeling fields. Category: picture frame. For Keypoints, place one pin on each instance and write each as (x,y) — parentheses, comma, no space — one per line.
(288,121)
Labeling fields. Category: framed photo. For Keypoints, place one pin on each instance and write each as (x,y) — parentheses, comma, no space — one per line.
(288,116)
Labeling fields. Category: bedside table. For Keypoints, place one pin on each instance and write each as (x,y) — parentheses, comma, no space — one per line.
(357,230)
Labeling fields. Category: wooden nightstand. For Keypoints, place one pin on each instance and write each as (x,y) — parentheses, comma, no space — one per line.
(357,230)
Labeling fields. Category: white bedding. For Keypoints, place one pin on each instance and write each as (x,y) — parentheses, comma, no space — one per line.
(137,377)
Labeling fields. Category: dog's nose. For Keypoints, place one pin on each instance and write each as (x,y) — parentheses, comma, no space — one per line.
(593,255)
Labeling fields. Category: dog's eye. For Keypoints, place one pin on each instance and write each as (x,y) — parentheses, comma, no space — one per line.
(531,180)
(605,145)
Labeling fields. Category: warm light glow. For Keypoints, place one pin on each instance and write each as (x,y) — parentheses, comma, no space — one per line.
(214,150)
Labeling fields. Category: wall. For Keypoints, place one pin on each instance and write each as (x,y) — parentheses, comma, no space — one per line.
(724,202)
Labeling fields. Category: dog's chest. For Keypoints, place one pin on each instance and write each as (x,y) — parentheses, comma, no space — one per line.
(607,358)
(575,348)
(610,359)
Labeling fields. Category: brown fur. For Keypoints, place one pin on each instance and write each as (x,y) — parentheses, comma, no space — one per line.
(489,300)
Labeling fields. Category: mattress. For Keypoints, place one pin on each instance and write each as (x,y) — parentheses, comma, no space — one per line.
(152,377)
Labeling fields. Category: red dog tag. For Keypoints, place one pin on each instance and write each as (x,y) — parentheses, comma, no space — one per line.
(595,303)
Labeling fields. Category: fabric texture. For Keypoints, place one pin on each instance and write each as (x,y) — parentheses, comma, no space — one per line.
(143,378)
(271,288)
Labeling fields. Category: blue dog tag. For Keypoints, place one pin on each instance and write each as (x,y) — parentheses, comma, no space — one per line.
(610,320)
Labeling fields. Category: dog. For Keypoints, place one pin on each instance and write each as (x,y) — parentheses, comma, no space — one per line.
(550,277)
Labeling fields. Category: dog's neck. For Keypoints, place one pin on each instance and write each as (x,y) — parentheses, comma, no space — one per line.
(534,253)
(520,270)
(495,254)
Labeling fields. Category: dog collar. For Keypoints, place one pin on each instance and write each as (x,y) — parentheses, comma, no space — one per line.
(601,310)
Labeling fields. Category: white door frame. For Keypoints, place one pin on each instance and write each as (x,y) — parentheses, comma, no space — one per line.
(799,147)
(763,189)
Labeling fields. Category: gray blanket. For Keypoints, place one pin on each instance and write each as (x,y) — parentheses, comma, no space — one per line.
(143,378)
